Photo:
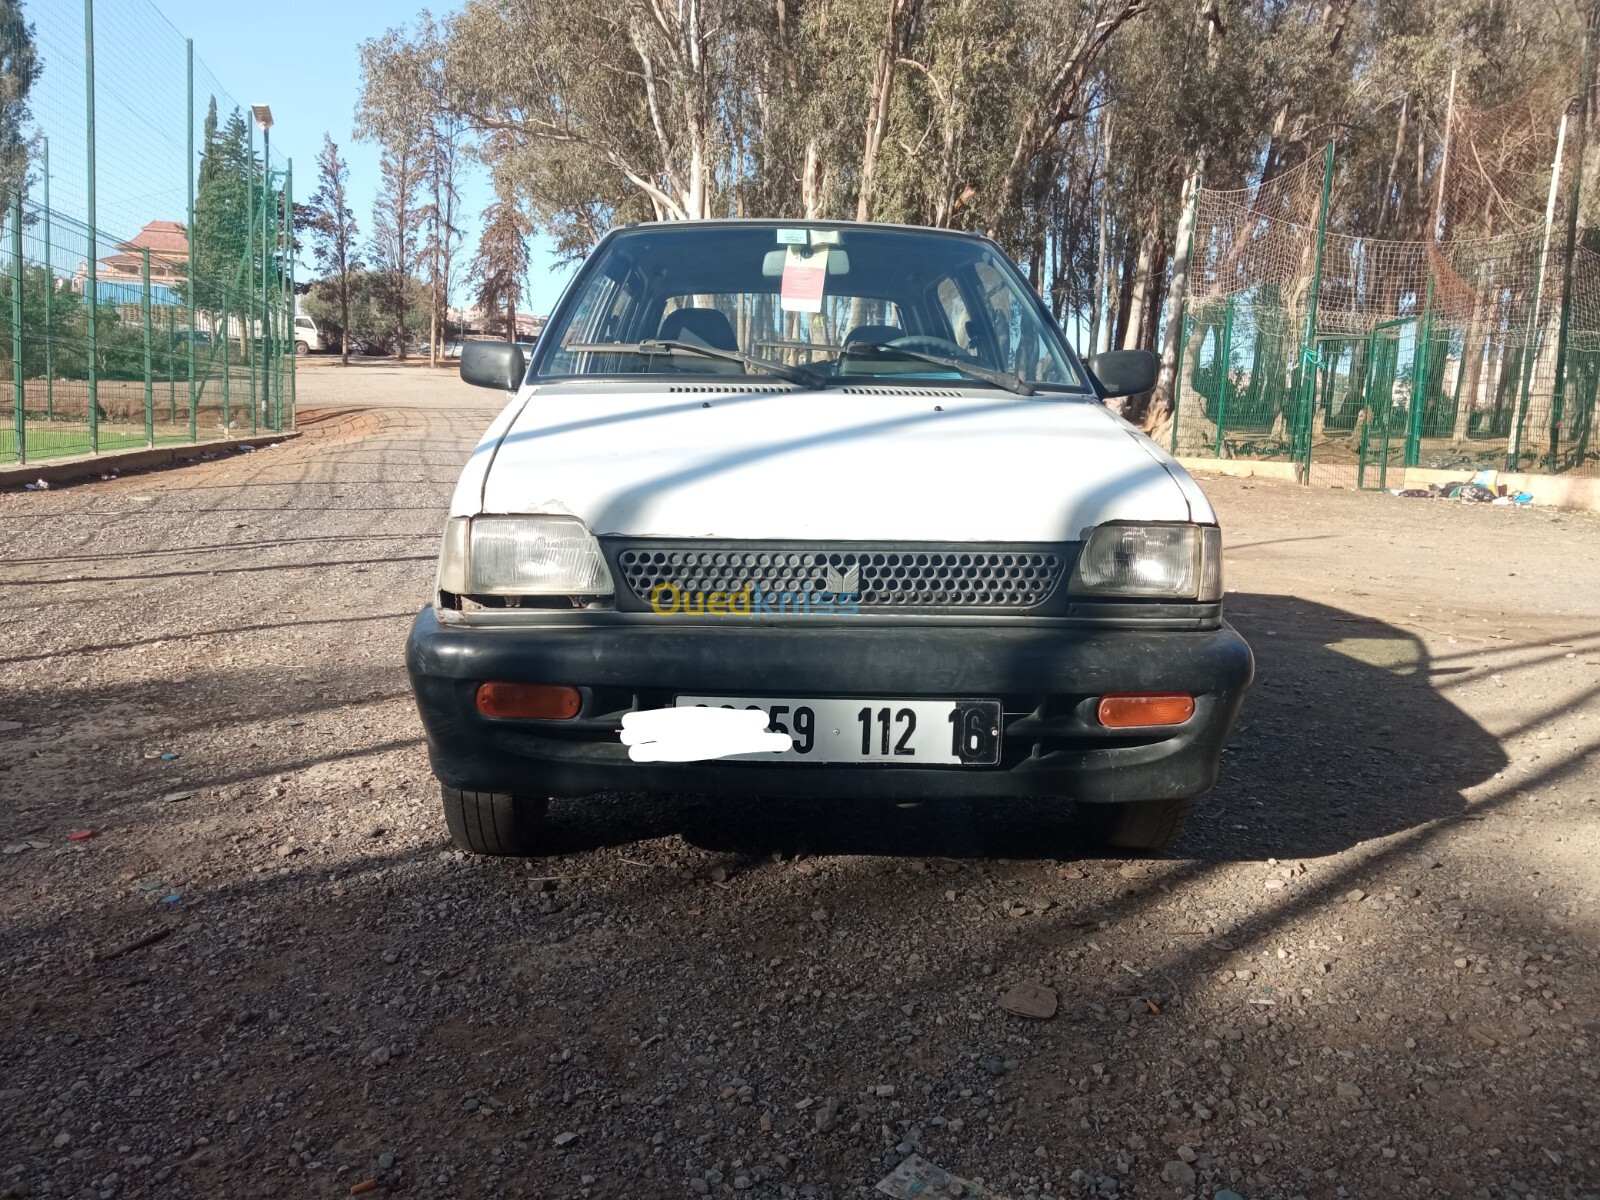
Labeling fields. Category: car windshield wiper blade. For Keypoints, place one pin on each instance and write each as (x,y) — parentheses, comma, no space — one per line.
(666,346)
(1011,383)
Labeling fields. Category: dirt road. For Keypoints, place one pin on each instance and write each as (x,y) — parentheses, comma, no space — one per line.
(1370,969)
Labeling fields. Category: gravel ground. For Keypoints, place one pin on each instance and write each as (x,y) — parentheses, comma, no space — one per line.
(1369,969)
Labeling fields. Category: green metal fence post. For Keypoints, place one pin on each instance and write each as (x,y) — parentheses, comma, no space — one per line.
(289,310)
(248,325)
(1419,380)
(266,303)
(20,416)
(1225,361)
(149,379)
(92,285)
(1308,345)
(189,174)
(172,365)
(49,289)
(227,368)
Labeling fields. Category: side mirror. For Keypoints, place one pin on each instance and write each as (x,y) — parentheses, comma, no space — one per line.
(1122,372)
(492,365)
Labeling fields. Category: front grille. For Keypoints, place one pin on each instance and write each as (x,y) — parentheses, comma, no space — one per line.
(883,576)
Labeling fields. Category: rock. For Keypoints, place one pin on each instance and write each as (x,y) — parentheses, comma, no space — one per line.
(994,1066)
(1227,1194)
(883,1090)
(386,1160)
(62,1140)
(828,1115)
(565,1139)
(1179,1173)
(699,1186)
(206,1156)
(1029,1000)
(1186,1153)
(287,850)
(820,914)
(1355,896)
(1347,1091)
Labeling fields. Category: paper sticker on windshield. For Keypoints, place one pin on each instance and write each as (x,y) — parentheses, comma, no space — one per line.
(824,237)
(791,237)
(803,277)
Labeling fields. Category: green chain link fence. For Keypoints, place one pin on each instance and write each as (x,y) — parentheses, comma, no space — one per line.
(1354,357)
(148,255)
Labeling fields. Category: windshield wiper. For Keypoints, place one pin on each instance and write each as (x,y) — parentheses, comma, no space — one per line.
(1011,383)
(667,346)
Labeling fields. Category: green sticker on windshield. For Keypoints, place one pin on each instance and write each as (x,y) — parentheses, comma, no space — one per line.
(791,237)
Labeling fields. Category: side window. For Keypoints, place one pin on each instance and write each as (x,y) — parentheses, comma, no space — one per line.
(1021,346)
(957,316)
(599,313)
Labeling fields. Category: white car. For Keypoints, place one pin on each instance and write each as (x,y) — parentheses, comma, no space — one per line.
(851,477)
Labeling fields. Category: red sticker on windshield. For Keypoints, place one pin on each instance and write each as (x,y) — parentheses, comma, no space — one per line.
(803,276)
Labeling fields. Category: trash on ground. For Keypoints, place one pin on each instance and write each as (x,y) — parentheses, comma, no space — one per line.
(80,835)
(172,897)
(917,1178)
(42,486)
(149,939)
(247,449)
(1029,1000)
(366,1185)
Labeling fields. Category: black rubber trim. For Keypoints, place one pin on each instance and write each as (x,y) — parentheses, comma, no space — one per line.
(1045,676)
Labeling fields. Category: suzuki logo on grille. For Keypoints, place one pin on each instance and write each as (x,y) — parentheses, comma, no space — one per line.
(843,583)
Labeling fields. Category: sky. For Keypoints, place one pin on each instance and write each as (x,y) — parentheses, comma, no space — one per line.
(300,56)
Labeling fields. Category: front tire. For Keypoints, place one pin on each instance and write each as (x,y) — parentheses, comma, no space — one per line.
(1135,824)
(492,823)
(302,349)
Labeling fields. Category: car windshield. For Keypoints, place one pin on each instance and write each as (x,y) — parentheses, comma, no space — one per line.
(819,303)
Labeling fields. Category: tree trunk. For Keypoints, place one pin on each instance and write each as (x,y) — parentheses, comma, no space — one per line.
(878,108)
(1133,329)
(344,320)
(1100,313)
(1124,302)
(1164,402)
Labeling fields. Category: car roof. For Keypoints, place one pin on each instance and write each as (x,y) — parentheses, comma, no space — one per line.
(804,223)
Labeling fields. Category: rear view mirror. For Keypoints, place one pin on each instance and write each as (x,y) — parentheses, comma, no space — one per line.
(1123,372)
(492,365)
(838,262)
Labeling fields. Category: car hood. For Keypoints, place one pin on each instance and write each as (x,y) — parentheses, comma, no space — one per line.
(858,464)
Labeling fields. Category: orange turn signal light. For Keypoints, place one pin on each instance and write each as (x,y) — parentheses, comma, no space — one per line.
(1137,711)
(529,701)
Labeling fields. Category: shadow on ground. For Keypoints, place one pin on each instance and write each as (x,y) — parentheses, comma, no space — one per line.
(1344,738)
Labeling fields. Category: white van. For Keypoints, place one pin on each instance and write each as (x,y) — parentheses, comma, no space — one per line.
(307,337)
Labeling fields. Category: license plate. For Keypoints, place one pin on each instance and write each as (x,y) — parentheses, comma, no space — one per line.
(904,733)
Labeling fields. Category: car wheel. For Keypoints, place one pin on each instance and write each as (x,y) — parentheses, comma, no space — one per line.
(491,823)
(1136,824)
(302,349)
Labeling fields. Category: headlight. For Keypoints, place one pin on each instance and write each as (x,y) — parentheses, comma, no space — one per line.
(522,556)
(1175,562)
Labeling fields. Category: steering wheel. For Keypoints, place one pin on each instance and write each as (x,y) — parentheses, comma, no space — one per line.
(927,344)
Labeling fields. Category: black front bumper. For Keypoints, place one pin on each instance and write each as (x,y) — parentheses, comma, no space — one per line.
(1048,677)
